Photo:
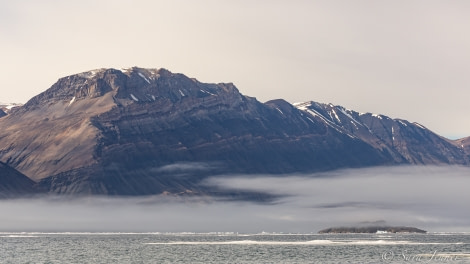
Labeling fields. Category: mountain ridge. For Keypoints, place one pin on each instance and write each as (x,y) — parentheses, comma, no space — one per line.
(113,132)
(392,135)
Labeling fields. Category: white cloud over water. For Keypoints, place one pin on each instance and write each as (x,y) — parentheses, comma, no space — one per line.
(431,198)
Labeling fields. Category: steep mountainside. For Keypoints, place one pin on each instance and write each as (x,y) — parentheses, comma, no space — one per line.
(2,113)
(149,131)
(13,183)
(406,142)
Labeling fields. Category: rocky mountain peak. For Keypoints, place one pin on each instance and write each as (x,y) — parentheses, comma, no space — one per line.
(130,84)
(73,121)
(149,85)
(89,84)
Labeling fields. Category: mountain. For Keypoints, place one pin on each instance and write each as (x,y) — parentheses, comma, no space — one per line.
(13,183)
(406,142)
(131,131)
(2,113)
(150,131)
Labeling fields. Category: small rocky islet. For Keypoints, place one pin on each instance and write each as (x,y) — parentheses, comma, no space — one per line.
(371,230)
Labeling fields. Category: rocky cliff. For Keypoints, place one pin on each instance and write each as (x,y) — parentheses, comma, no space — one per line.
(150,131)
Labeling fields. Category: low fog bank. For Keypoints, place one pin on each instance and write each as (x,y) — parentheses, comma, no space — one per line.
(430,198)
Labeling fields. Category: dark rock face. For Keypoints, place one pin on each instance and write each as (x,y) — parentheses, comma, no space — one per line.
(13,183)
(2,113)
(147,131)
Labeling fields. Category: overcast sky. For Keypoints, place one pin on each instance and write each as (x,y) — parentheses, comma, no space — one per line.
(405,59)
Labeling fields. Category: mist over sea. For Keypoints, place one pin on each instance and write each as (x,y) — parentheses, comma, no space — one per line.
(201,229)
(432,198)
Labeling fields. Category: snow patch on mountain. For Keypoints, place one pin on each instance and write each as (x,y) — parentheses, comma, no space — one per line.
(134,98)
(419,125)
(143,77)
(378,116)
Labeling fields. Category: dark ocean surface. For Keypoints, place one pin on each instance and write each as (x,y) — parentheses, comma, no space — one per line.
(32,247)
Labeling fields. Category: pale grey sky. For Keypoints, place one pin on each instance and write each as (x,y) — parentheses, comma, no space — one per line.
(405,59)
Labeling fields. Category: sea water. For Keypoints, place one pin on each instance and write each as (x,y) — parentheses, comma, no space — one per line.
(32,247)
